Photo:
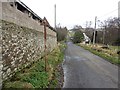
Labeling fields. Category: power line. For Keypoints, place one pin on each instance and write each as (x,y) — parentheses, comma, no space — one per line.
(109,12)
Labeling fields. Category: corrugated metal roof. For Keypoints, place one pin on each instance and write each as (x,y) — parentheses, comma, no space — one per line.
(21,3)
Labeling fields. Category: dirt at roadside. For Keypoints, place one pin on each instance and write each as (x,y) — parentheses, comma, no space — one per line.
(60,78)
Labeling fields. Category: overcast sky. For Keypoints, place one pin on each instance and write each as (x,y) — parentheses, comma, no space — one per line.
(74,12)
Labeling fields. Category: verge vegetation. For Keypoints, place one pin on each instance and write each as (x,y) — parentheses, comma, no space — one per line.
(108,53)
(35,76)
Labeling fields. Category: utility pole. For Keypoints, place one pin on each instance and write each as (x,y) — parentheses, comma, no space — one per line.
(104,32)
(55,17)
(94,37)
(104,35)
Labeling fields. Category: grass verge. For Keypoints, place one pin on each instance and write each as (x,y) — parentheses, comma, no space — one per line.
(114,59)
(36,76)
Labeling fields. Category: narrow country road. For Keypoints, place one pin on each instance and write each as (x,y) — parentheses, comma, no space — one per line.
(83,69)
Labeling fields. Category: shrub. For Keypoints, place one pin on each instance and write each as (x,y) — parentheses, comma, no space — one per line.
(78,37)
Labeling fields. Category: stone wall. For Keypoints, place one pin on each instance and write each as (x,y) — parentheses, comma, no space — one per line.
(1,65)
(21,46)
(21,41)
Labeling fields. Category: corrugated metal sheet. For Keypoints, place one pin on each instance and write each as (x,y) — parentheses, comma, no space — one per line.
(21,3)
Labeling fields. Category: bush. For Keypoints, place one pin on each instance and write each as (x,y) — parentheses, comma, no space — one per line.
(78,37)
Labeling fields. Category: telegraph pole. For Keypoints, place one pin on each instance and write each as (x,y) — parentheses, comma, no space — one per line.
(104,32)
(55,17)
(94,38)
(104,35)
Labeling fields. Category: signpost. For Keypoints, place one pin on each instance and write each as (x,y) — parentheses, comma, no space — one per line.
(44,22)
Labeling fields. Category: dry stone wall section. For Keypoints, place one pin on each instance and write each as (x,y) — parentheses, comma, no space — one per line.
(21,41)
(22,46)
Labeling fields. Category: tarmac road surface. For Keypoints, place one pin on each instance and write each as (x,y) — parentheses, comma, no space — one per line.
(83,69)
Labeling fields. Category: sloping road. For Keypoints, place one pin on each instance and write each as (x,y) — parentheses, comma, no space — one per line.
(83,69)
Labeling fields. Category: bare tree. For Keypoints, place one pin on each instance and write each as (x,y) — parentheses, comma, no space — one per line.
(88,24)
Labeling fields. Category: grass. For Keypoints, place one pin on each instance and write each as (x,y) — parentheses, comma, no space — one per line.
(36,76)
(54,64)
(115,48)
(109,55)
(18,84)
